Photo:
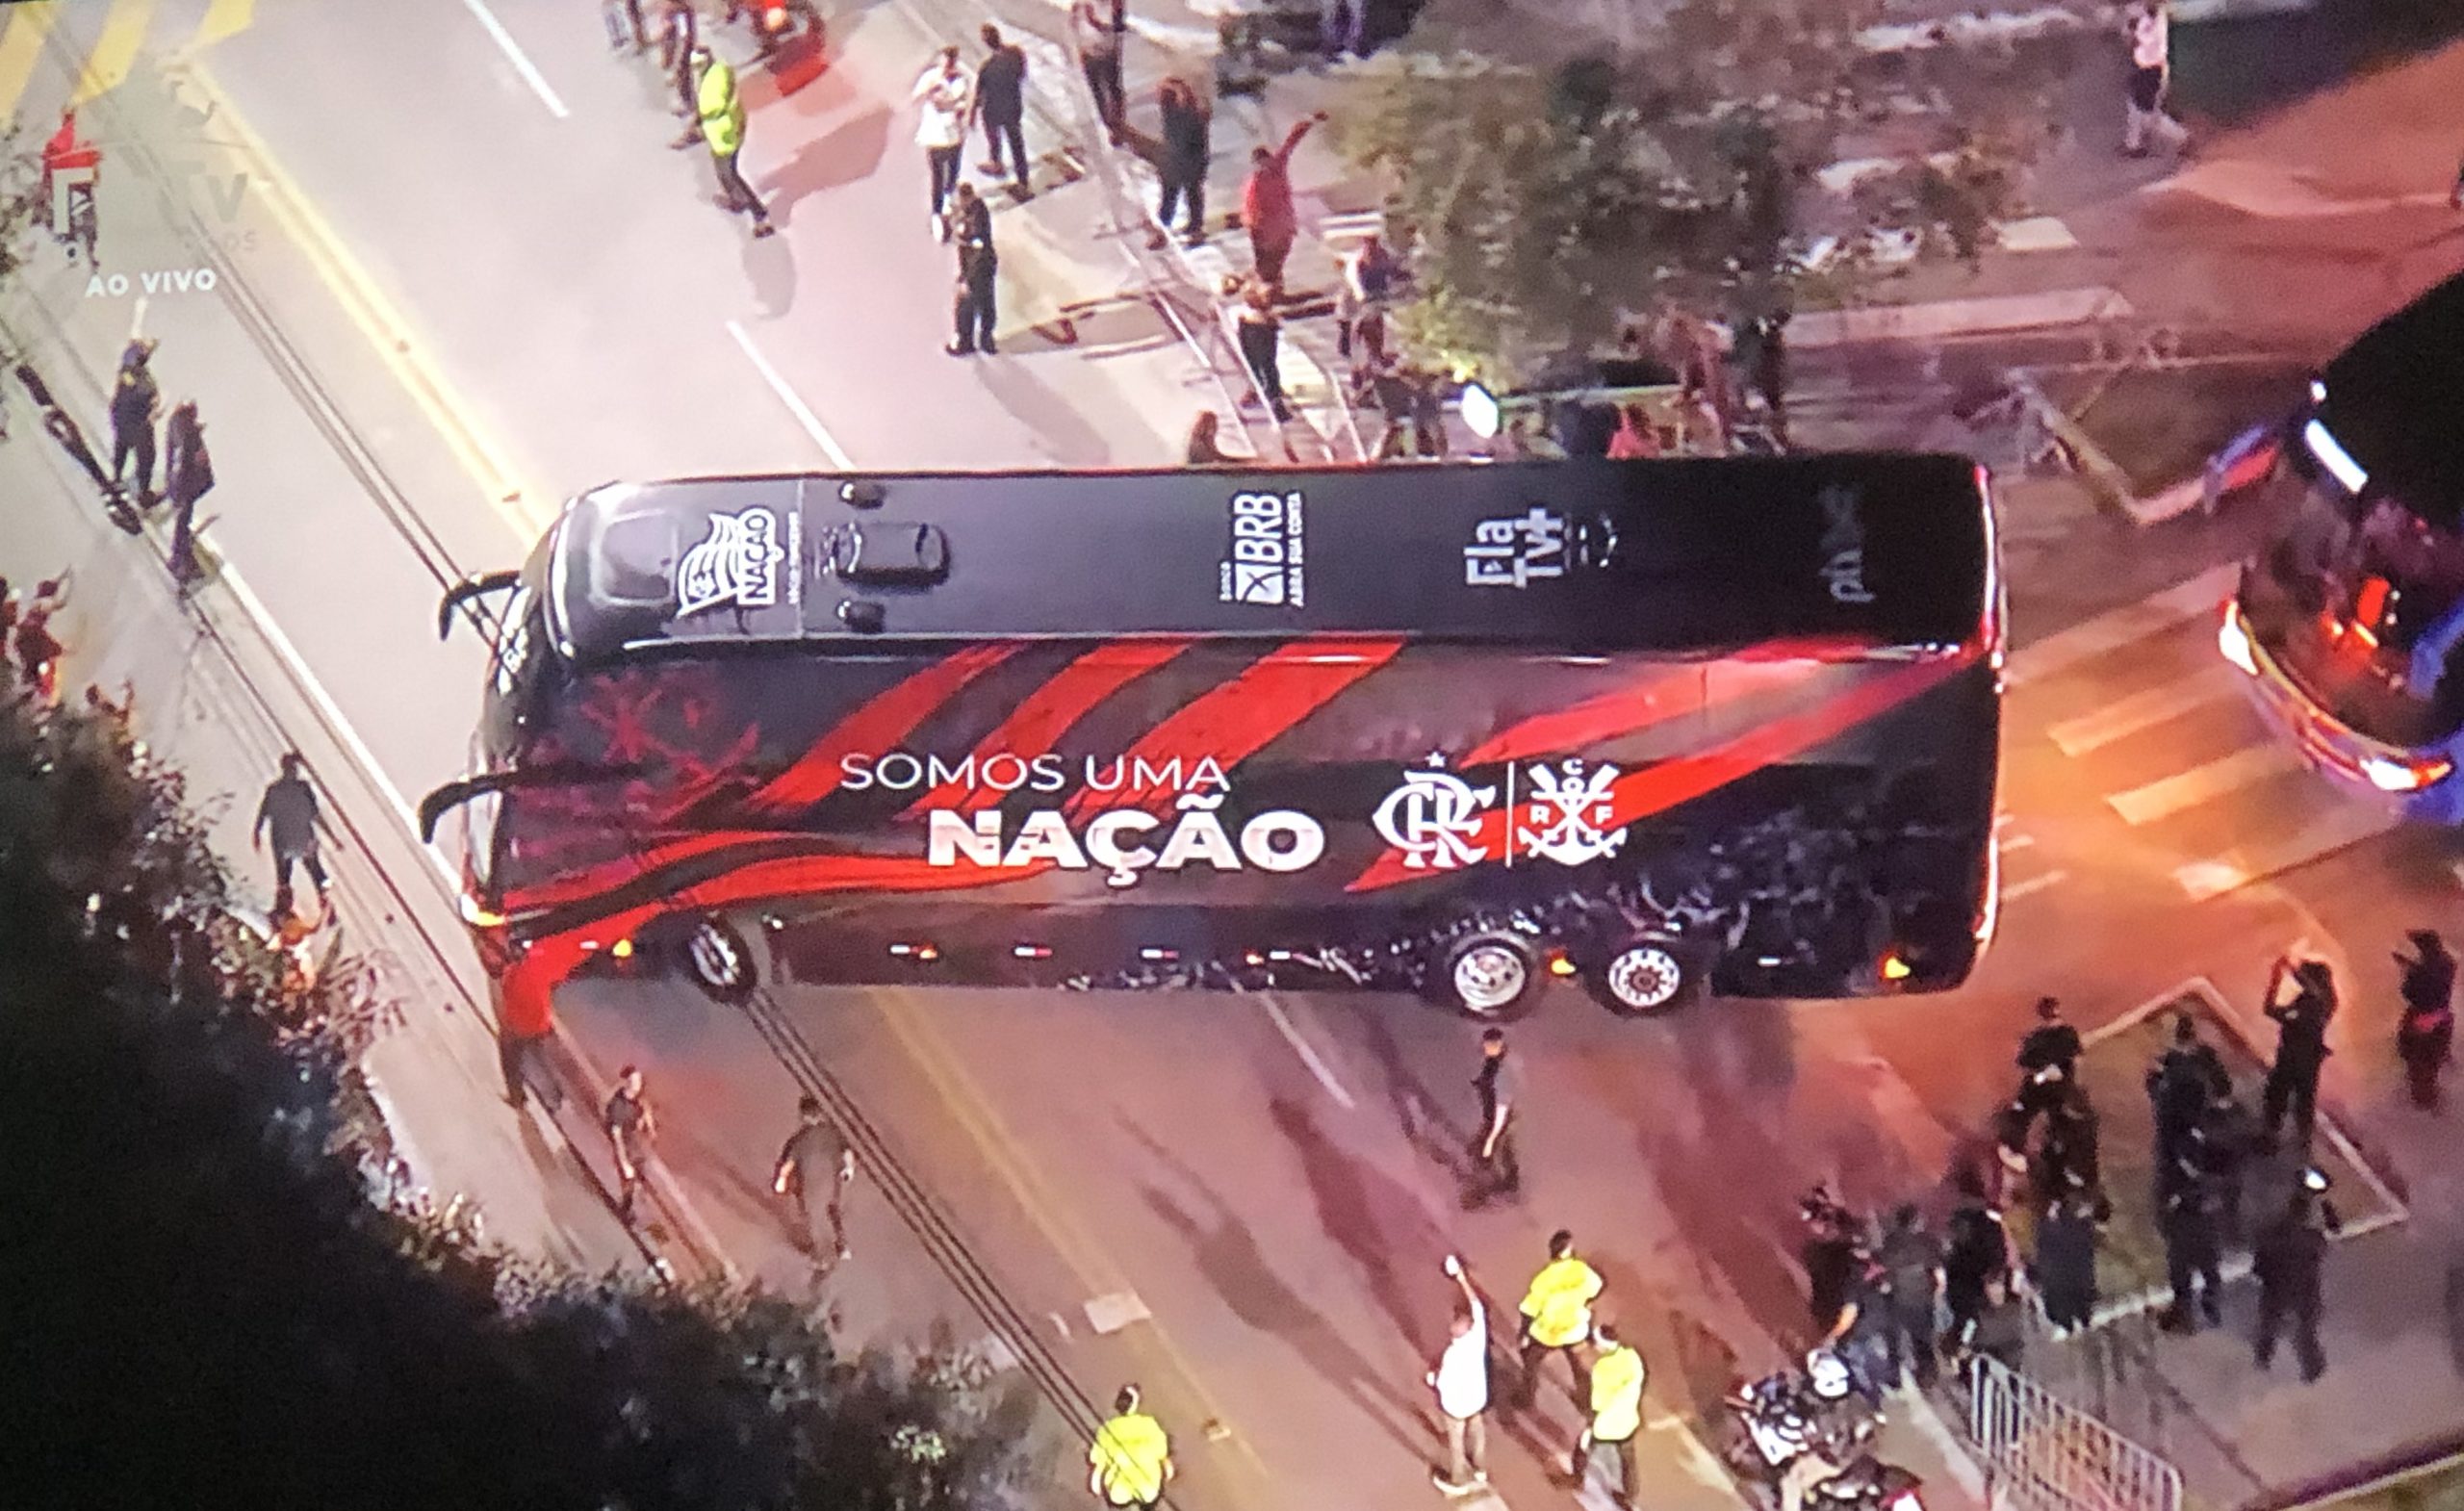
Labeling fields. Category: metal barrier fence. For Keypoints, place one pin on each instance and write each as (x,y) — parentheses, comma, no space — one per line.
(2042,1455)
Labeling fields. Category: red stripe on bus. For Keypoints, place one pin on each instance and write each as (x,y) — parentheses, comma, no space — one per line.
(1664,785)
(1236,720)
(1657,696)
(608,875)
(1051,710)
(888,718)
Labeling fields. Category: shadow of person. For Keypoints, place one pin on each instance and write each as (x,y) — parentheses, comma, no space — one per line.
(849,151)
(1431,1134)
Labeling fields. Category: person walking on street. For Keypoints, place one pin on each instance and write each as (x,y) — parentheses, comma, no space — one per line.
(680,37)
(1461,1380)
(1616,1413)
(1131,1461)
(946,97)
(136,400)
(288,812)
(1342,26)
(1977,1251)
(1831,1256)
(721,116)
(814,1166)
(1911,1262)
(2301,1045)
(2147,27)
(2425,1036)
(1371,275)
(2000,1329)
(525,1020)
(188,476)
(2048,1057)
(2182,1085)
(1096,41)
(631,1130)
(2067,1264)
(2289,1257)
(623,18)
(1556,1315)
(2186,1219)
(970,220)
(1001,99)
(1258,333)
(1500,1085)
(1187,150)
(1267,208)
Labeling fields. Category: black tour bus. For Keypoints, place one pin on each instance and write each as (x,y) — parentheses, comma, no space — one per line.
(1667,726)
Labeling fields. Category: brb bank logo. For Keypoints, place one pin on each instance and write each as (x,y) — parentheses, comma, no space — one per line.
(1266,565)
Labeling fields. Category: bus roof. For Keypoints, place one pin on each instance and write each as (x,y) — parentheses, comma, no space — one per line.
(2391,399)
(1676,556)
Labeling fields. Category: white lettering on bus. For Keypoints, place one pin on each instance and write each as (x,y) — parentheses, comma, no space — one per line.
(1278,841)
(1008,770)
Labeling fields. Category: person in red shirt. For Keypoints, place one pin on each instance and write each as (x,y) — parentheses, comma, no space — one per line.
(1266,205)
(525,1017)
(62,153)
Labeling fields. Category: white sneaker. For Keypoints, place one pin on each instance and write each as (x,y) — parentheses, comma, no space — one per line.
(940,225)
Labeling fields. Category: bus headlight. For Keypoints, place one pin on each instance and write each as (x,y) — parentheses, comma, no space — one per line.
(2234,641)
(2406,775)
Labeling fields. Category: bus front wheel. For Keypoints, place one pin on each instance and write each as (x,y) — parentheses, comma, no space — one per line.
(1492,975)
(1645,975)
(720,961)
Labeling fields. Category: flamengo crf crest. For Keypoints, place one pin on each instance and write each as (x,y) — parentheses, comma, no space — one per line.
(736,563)
(1571,808)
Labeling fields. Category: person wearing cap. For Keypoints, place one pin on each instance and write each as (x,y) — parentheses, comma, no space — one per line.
(2182,1085)
(2425,1036)
(1131,1460)
(2047,1057)
(722,117)
(1556,1315)
(814,1166)
(1616,1412)
(2300,1044)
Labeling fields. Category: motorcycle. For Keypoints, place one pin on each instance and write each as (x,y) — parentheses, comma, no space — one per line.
(1868,1484)
(1786,1416)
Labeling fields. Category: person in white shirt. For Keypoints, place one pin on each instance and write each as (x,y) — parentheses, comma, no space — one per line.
(946,92)
(2149,30)
(1461,1380)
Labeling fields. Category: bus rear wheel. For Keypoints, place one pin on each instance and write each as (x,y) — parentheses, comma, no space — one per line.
(1492,975)
(1645,975)
(720,961)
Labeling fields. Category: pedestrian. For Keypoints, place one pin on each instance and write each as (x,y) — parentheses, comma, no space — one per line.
(631,1130)
(1616,1413)
(1461,1380)
(1977,1250)
(1131,1461)
(1267,208)
(945,97)
(2147,27)
(1860,1333)
(974,311)
(2067,1161)
(135,401)
(2425,1036)
(1187,150)
(2000,1329)
(623,18)
(2186,1219)
(1342,26)
(1499,1084)
(526,1019)
(188,476)
(38,650)
(1829,1258)
(1371,275)
(2289,1257)
(1097,40)
(2066,1263)
(2049,1057)
(1001,99)
(1260,335)
(2301,1045)
(720,110)
(2185,1081)
(2228,1138)
(1203,450)
(288,812)
(680,37)
(1912,1261)
(814,1166)
(1386,385)
(1556,1315)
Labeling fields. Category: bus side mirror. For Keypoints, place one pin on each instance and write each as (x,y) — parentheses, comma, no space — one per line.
(446,799)
(468,588)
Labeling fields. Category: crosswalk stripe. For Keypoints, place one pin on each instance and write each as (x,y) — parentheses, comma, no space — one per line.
(223,18)
(2188,789)
(20,44)
(2106,633)
(114,50)
(2123,718)
(2348,823)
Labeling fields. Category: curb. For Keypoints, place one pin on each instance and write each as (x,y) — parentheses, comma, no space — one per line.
(2113,491)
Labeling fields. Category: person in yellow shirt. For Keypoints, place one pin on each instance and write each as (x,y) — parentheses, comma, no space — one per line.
(1616,1412)
(1131,1461)
(1556,1315)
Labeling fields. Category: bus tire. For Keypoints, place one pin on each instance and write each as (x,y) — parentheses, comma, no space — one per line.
(1645,975)
(719,961)
(1493,975)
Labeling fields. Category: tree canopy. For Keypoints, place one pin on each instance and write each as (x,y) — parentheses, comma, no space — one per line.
(206,1306)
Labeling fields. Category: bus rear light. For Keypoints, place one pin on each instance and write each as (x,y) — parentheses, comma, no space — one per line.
(1159,954)
(1252,958)
(622,949)
(2233,640)
(1894,968)
(1032,952)
(2406,774)
(1559,964)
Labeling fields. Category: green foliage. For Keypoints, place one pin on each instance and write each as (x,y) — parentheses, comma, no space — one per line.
(205,1306)
(21,205)
(1549,198)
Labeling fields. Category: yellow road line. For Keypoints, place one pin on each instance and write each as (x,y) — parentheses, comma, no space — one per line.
(223,18)
(114,50)
(20,44)
(525,510)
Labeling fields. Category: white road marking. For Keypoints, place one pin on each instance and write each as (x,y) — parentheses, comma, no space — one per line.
(2015,890)
(2215,681)
(1309,1056)
(795,403)
(2168,795)
(2013,843)
(2111,632)
(522,63)
(2345,824)
(1117,1310)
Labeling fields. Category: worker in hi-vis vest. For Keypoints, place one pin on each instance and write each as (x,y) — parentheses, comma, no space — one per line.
(1616,1409)
(1131,1461)
(1556,1317)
